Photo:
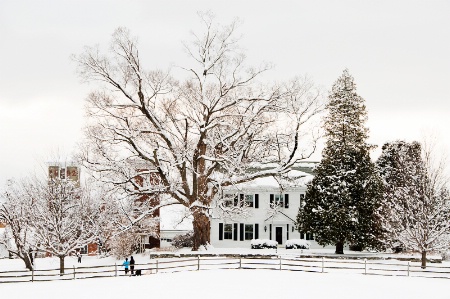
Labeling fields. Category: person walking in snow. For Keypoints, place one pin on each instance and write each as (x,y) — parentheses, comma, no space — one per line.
(132,265)
(79,256)
(126,263)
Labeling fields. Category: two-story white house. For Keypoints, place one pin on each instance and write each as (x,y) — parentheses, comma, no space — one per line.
(265,208)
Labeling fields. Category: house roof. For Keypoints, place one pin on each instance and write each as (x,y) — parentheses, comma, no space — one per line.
(293,180)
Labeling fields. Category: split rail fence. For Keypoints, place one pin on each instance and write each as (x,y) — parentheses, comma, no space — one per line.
(168,265)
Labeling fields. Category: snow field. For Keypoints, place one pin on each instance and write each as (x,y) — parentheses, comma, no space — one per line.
(235,284)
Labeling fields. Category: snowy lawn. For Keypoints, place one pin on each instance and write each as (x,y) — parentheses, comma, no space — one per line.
(235,284)
(232,283)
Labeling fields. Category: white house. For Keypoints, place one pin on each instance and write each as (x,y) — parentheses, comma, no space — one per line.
(266,208)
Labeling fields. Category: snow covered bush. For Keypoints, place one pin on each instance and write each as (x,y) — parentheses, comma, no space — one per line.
(124,245)
(297,244)
(186,240)
(263,243)
(445,255)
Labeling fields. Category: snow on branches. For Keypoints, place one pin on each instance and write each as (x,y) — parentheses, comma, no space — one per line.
(189,137)
(416,201)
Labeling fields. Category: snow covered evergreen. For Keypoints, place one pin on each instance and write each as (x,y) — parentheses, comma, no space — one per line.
(342,198)
(416,203)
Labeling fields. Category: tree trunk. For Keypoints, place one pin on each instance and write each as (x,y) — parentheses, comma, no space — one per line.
(28,260)
(201,229)
(340,247)
(424,259)
(61,265)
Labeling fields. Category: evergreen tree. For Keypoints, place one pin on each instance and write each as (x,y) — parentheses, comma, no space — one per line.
(342,198)
(401,168)
(416,203)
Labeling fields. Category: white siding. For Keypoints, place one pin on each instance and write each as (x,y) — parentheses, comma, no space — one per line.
(283,220)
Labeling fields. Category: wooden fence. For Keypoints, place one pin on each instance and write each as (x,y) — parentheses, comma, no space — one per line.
(165,265)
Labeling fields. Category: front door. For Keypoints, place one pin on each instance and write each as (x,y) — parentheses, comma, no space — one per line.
(279,235)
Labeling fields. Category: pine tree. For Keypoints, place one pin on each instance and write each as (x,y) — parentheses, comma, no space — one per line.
(342,198)
(401,168)
(415,210)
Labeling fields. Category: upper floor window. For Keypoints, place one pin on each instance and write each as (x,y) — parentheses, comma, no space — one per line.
(241,200)
(228,200)
(302,201)
(249,200)
(280,200)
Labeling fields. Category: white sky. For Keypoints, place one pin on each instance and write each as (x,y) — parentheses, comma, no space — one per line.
(398,52)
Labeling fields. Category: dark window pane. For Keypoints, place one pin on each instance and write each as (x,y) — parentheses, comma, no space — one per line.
(248,231)
(228,232)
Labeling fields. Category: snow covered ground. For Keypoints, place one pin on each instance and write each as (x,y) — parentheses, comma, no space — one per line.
(234,283)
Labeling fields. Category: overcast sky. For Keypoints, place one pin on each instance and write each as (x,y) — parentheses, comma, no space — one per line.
(398,52)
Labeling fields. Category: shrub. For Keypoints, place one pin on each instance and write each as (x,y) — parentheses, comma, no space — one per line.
(263,243)
(297,244)
(123,245)
(397,247)
(186,240)
(355,247)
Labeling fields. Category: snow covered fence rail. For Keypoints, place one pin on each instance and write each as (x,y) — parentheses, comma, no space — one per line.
(170,265)
(69,273)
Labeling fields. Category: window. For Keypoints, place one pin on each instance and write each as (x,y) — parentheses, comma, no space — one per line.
(62,173)
(309,236)
(228,200)
(248,231)
(84,249)
(228,232)
(302,201)
(279,200)
(249,200)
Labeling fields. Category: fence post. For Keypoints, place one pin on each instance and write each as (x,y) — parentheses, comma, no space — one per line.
(74,272)
(240,262)
(198,262)
(408,268)
(280,261)
(32,273)
(323,262)
(365,266)
(156,271)
(115,269)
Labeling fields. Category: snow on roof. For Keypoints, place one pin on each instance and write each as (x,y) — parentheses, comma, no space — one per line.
(175,217)
(293,180)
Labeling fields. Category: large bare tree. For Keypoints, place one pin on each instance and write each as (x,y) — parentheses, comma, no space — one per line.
(185,139)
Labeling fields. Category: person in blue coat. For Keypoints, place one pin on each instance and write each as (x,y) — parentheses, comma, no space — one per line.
(126,264)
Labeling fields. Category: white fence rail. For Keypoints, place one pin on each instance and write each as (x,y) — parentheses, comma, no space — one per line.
(165,265)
